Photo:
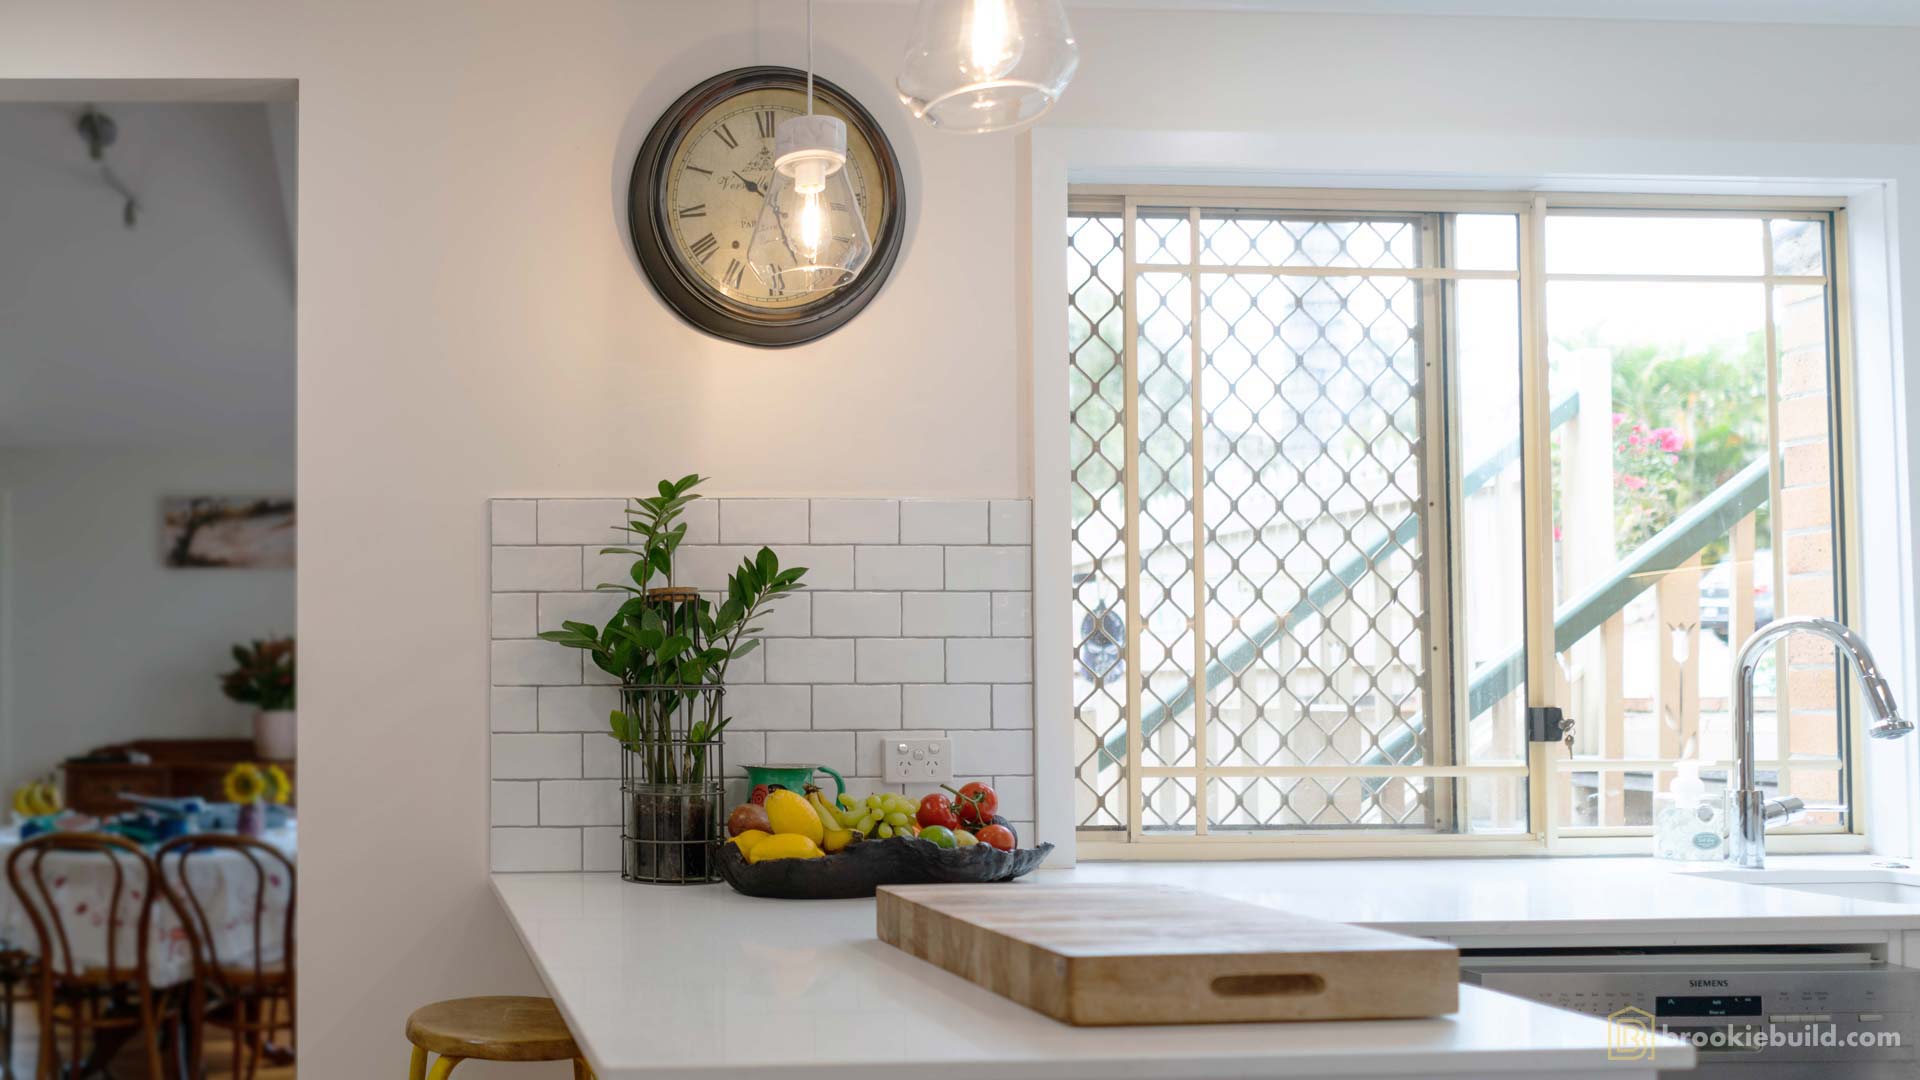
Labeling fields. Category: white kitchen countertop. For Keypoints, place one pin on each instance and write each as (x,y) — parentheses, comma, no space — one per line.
(701,981)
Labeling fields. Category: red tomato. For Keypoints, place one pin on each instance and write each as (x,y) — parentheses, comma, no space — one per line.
(935,809)
(976,804)
(998,836)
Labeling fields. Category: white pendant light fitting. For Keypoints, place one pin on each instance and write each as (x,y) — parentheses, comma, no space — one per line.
(979,66)
(810,235)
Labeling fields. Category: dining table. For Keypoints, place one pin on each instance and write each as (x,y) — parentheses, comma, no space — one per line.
(222,879)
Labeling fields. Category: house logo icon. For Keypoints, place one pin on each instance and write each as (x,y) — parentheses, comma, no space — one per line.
(1630,1035)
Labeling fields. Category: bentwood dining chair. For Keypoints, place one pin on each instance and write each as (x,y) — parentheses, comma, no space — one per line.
(99,1005)
(16,970)
(236,986)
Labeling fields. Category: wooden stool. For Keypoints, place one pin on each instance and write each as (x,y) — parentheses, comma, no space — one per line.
(491,1029)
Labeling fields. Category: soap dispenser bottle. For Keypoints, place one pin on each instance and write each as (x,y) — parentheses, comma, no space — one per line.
(1689,825)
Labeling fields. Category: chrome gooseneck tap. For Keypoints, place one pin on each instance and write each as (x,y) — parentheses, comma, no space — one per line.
(1748,843)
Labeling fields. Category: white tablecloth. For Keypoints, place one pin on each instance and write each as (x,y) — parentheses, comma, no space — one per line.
(82,885)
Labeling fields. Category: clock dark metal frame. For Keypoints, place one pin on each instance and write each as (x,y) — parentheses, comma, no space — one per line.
(698,303)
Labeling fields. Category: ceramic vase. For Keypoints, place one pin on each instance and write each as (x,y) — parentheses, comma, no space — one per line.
(273,735)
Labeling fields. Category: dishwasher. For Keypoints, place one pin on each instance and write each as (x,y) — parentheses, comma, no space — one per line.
(1756,1013)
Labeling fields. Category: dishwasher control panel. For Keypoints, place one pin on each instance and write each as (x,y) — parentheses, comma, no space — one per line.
(1775,1017)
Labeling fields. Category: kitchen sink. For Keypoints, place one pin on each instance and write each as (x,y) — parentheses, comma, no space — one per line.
(1883,885)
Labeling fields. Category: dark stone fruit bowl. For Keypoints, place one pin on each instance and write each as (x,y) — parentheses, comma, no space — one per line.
(868,864)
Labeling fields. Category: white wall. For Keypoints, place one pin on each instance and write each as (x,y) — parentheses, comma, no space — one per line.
(471,325)
(103,643)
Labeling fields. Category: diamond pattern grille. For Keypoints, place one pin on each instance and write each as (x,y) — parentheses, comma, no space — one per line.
(1096,387)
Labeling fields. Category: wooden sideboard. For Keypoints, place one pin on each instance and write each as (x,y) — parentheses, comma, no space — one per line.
(175,768)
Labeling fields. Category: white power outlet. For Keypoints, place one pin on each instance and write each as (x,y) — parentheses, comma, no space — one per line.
(917,761)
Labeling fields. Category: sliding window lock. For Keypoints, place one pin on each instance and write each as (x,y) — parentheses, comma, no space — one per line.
(1546,723)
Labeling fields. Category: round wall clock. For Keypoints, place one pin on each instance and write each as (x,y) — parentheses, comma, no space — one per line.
(697,187)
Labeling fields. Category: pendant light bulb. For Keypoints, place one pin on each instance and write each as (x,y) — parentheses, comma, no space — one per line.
(987,65)
(810,235)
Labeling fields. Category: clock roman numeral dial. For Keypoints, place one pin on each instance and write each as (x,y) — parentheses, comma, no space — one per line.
(696,210)
(736,271)
(765,120)
(704,247)
(726,136)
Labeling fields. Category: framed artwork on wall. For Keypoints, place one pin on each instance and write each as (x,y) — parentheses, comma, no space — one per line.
(227,532)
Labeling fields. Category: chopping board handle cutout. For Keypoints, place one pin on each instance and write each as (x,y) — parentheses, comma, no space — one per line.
(1239,986)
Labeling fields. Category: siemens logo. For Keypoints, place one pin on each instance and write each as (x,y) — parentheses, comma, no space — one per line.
(1706,982)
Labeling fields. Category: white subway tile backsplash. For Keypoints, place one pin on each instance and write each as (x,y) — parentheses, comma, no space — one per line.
(592,608)
(809,660)
(579,802)
(514,708)
(595,522)
(1012,614)
(535,569)
(763,521)
(520,851)
(829,566)
(856,707)
(536,757)
(600,849)
(702,519)
(599,757)
(511,521)
(787,616)
(834,749)
(767,707)
(577,708)
(856,614)
(856,521)
(516,802)
(946,705)
(1011,522)
(992,753)
(899,660)
(513,614)
(943,521)
(945,614)
(1016,797)
(989,660)
(898,568)
(916,623)
(988,567)
(532,662)
(1013,705)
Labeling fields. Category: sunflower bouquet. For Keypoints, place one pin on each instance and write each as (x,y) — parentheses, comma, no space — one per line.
(250,783)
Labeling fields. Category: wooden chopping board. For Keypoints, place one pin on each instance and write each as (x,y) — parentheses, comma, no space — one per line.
(1150,954)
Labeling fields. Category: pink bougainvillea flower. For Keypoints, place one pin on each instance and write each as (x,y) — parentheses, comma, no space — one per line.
(1556,532)
(1668,439)
(1634,483)
(1619,418)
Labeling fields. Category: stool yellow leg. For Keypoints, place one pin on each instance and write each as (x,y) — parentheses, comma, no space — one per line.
(444,1067)
(582,1070)
(418,1071)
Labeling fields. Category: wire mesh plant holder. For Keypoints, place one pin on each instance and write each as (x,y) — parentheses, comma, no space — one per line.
(672,786)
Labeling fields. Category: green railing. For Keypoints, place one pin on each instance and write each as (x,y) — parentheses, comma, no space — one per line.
(1325,590)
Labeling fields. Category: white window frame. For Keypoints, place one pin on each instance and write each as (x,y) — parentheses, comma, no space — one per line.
(1545,835)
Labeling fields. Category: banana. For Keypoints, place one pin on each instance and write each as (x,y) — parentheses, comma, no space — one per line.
(22,800)
(831,815)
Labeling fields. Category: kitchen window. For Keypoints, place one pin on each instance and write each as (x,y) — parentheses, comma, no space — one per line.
(1357,478)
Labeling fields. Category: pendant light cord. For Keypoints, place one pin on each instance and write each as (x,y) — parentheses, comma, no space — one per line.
(809,57)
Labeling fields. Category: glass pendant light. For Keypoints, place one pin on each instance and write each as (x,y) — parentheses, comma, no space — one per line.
(810,236)
(987,65)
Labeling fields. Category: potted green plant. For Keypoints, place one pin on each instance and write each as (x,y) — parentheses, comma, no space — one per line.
(264,679)
(670,647)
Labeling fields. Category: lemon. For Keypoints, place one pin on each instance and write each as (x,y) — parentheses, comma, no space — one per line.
(784,846)
(792,815)
(748,840)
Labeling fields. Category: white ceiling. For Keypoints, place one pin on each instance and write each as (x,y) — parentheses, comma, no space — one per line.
(1840,12)
(177,333)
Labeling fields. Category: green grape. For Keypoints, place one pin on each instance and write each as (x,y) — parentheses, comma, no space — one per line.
(866,823)
(875,801)
(899,820)
(886,832)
